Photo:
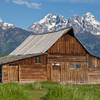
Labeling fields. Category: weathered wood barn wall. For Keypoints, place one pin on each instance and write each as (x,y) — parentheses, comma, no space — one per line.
(25,70)
(67,60)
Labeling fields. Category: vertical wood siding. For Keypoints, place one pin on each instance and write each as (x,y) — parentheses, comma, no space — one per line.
(28,70)
(68,45)
(67,74)
(93,69)
(55,65)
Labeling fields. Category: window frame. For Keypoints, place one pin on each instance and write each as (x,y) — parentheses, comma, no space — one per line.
(78,66)
(72,66)
(37,60)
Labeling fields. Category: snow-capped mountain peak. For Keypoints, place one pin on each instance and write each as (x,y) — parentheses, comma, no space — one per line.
(86,28)
(51,22)
(91,24)
(88,14)
(90,18)
(4,25)
(54,22)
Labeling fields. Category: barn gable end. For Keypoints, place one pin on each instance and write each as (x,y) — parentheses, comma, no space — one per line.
(68,45)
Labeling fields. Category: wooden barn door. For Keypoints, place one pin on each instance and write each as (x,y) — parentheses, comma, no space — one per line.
(77,72)
(74,72)
(56,73)
(13,74)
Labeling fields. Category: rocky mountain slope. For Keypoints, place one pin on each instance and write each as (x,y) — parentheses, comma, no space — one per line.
(10,37)
(55,22)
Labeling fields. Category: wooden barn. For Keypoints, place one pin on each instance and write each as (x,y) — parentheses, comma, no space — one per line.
(57,56)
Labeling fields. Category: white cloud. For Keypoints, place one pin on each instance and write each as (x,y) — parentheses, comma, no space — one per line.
(26,3)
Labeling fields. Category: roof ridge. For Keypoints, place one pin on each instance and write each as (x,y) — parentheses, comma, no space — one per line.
(53,32)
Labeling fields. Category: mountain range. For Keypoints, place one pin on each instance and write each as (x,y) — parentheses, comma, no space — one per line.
(86,28)
(10,37)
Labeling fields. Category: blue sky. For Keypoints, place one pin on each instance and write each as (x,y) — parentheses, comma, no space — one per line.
(23,13)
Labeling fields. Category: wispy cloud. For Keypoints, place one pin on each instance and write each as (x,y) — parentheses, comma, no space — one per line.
(26,3)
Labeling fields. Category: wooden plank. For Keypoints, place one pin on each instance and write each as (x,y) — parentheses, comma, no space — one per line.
(67,44)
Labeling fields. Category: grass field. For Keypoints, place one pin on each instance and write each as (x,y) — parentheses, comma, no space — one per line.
(48,91)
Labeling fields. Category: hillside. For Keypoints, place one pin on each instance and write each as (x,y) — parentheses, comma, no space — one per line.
(10,37)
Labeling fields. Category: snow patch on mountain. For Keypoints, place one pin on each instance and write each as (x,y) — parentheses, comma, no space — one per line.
(5,26)
(91,24)
(54,22)
(49,23)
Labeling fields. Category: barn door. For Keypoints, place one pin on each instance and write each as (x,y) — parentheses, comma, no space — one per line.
(0,73)
(77,72)
(13,73)
(56,73)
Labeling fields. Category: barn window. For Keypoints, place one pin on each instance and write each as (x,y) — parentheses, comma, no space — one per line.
(71,66)
(37,60)
(78,66)
(13,65)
